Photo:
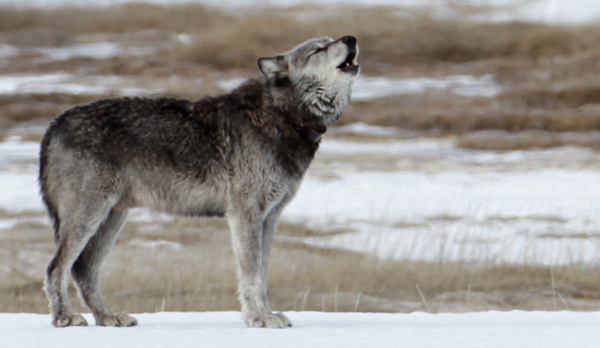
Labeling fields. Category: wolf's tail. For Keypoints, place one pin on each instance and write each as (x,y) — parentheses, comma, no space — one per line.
(43,180)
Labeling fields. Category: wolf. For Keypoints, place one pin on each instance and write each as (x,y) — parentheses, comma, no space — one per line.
(240,156)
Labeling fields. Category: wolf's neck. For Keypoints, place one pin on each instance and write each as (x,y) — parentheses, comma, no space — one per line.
(325,106)
(308,131)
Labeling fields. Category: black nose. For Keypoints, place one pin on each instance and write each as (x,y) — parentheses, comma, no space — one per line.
(350,41)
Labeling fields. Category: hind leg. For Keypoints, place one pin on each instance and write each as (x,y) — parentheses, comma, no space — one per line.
(86,271)
(78,224)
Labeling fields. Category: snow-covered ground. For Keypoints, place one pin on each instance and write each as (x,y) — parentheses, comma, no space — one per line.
(424,199)
(314,329)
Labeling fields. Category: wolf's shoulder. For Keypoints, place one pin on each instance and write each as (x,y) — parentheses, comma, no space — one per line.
(131,106)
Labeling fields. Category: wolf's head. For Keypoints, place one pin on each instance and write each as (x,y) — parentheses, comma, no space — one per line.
(315,77)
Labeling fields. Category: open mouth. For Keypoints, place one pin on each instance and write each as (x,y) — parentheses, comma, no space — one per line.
(349,64)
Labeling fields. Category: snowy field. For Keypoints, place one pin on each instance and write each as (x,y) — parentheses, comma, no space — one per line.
(314,329)
(424,199)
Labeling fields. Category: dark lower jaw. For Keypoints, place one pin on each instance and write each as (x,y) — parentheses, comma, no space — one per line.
(350,69)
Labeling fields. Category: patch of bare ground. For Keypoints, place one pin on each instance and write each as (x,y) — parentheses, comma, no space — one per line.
(187,265)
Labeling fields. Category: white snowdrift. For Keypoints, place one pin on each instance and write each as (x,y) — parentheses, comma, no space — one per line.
(315,329)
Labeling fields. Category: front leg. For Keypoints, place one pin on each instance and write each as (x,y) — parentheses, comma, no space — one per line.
(247,239)
(270,227)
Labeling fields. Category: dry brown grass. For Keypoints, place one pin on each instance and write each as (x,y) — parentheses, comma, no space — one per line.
(16,109)
(63,22)
(571,93)
(231,40)
(200,276)
(448,113)
(526,140)
(389,41)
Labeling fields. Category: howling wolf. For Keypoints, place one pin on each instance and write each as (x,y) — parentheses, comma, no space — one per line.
(240,156)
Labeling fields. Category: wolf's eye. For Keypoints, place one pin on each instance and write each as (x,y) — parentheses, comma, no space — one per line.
(320,49)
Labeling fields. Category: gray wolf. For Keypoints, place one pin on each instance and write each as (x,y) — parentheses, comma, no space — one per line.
(241,156)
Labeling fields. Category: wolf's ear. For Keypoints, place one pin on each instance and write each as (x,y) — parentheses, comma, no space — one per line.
(273,67)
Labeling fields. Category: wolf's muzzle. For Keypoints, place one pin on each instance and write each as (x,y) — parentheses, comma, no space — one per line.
(350,41)
(349,65)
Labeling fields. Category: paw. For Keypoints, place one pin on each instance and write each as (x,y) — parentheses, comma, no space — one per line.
(69,320)
(272,320)
(120,319)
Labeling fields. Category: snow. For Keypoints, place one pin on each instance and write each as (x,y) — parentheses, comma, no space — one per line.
(230,84)
(153,244)
(424,199)
(98,50)
(456,216)
(316,329)
(185,38)
(366,88)
(10,84)
(7,51)
(68,83)
(20,192)
(13,151)
(551,11)
(365,129)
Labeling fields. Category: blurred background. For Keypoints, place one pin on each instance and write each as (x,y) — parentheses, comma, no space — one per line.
(462,177)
